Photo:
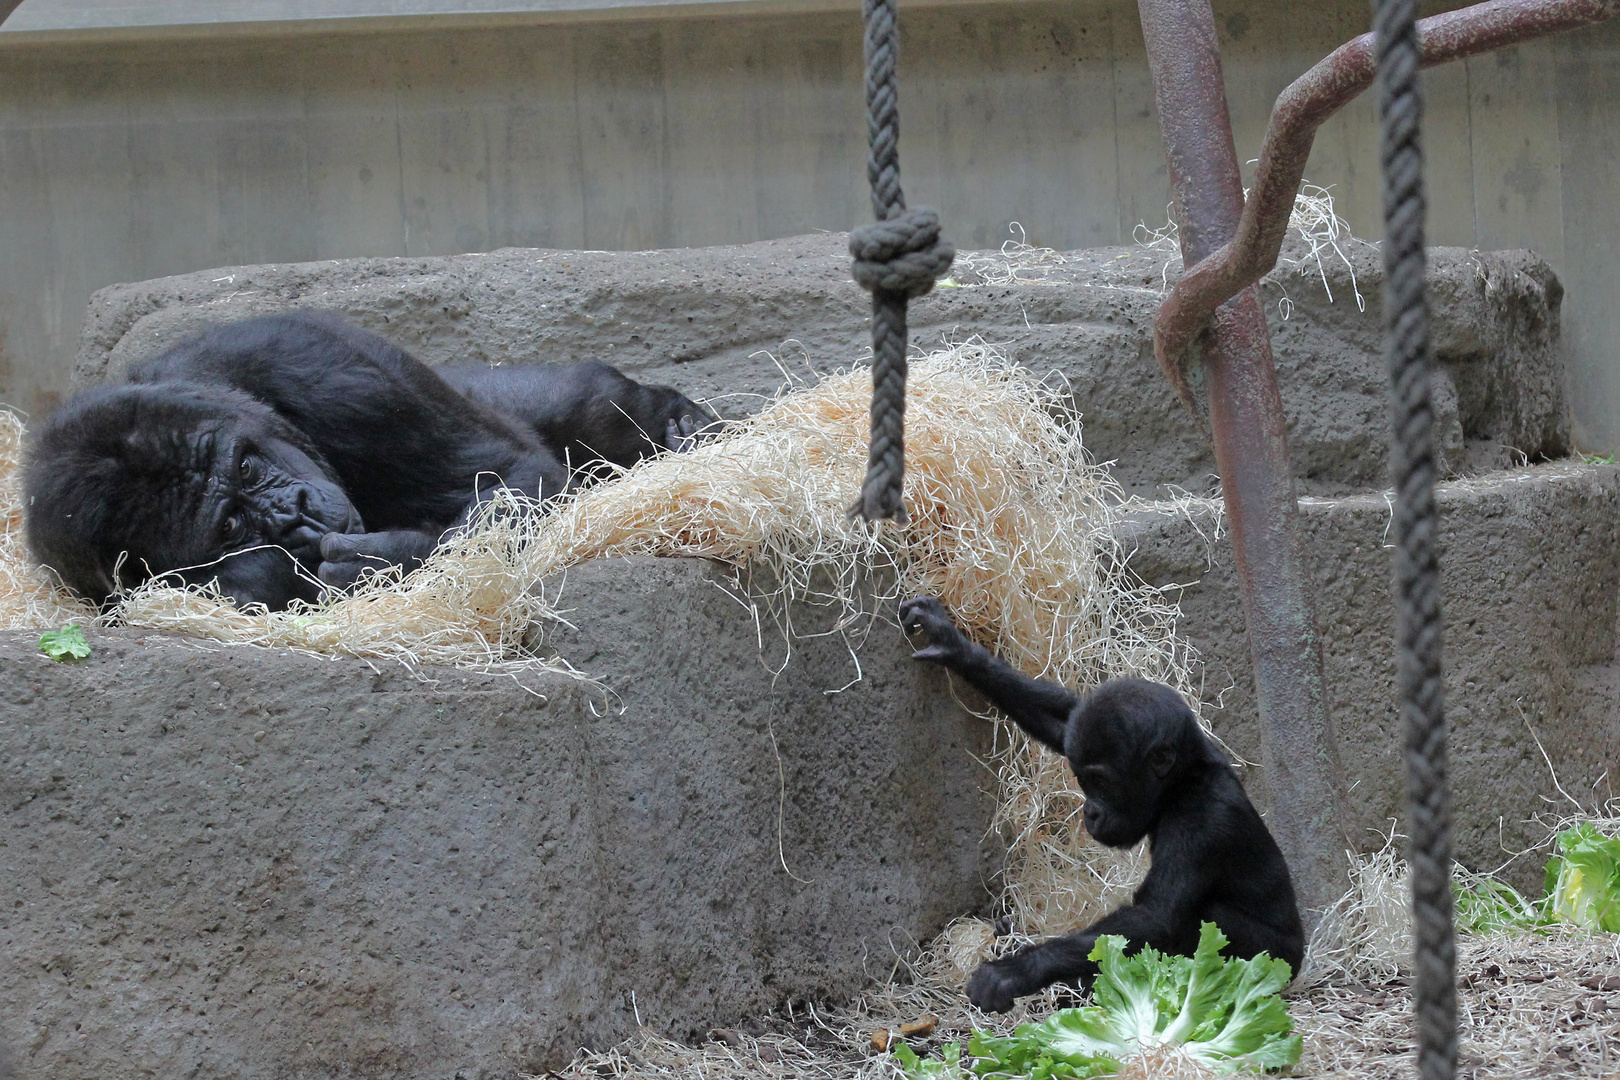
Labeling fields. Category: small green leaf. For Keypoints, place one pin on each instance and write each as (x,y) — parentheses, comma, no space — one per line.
(65,644)
(948,1066)
(1030,1052)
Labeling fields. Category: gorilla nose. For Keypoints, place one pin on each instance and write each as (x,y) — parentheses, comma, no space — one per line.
(298,524)
(326,509)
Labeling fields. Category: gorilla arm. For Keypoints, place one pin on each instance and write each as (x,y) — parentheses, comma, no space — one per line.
(1165,913)
(1041,708)
(587,412)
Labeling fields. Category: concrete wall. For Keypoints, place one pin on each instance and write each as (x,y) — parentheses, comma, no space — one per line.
(250,864)
(126,156)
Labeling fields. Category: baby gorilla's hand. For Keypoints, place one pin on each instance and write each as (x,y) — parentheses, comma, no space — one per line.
(345,556)
(930,617)
(995,984)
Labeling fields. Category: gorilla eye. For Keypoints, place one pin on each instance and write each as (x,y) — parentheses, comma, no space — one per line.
(249,469)
(233,527)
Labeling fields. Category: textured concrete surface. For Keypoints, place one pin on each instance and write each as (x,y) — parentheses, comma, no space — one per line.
(235,863)
(1531,565)
(704,319)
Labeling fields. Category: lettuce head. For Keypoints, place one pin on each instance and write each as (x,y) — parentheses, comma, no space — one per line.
(1583,879)
(1225,1013)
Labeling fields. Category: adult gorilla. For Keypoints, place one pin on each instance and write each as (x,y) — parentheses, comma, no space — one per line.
(285,453)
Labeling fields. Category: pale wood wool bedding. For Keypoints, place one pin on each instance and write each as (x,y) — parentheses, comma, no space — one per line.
(28,599)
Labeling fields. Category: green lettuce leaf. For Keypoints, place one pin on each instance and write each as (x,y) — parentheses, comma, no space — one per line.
(948,1066)
(1250,1027)
(1583,879)
(1029,1051)
(1226,1013)
(1487,905)
(1131,991)
(67,643)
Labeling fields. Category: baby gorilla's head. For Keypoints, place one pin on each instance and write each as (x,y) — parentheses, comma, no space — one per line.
(1130,742)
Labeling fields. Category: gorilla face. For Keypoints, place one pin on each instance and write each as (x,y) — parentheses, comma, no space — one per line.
(201,482)
(267,500)
(1128,742)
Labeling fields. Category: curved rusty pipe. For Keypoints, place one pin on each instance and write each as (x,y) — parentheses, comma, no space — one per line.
(1302,108)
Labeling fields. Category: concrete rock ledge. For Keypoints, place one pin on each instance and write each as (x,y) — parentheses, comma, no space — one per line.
(701,318)
(1531,565)
(228,862)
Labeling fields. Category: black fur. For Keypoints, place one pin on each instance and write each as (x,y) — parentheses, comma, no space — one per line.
(285,454)
(1147,771)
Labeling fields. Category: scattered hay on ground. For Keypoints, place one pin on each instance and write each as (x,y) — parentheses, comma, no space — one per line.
(1530,1004)
(1367,936)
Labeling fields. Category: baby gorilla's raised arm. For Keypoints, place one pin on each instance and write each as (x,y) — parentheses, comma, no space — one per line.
(1149,772)
(1041,708)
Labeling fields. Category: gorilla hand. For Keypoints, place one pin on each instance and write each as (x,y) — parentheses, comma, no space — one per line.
(683,432)
(996,983)
(946,643)
(344,556)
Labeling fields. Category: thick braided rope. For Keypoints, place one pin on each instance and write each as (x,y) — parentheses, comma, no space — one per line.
(1416,526)
(897,258)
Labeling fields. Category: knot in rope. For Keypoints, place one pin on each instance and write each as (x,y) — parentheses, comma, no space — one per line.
(903,255)
(896,259)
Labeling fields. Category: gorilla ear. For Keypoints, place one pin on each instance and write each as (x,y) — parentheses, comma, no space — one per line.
(1161,759)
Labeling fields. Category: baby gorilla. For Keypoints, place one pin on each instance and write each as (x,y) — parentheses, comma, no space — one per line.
(1147,770)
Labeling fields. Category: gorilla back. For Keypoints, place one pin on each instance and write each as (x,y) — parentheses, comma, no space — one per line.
(284,454)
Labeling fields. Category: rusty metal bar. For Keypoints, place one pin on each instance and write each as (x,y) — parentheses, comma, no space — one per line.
(1220,274)
(1309,808)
